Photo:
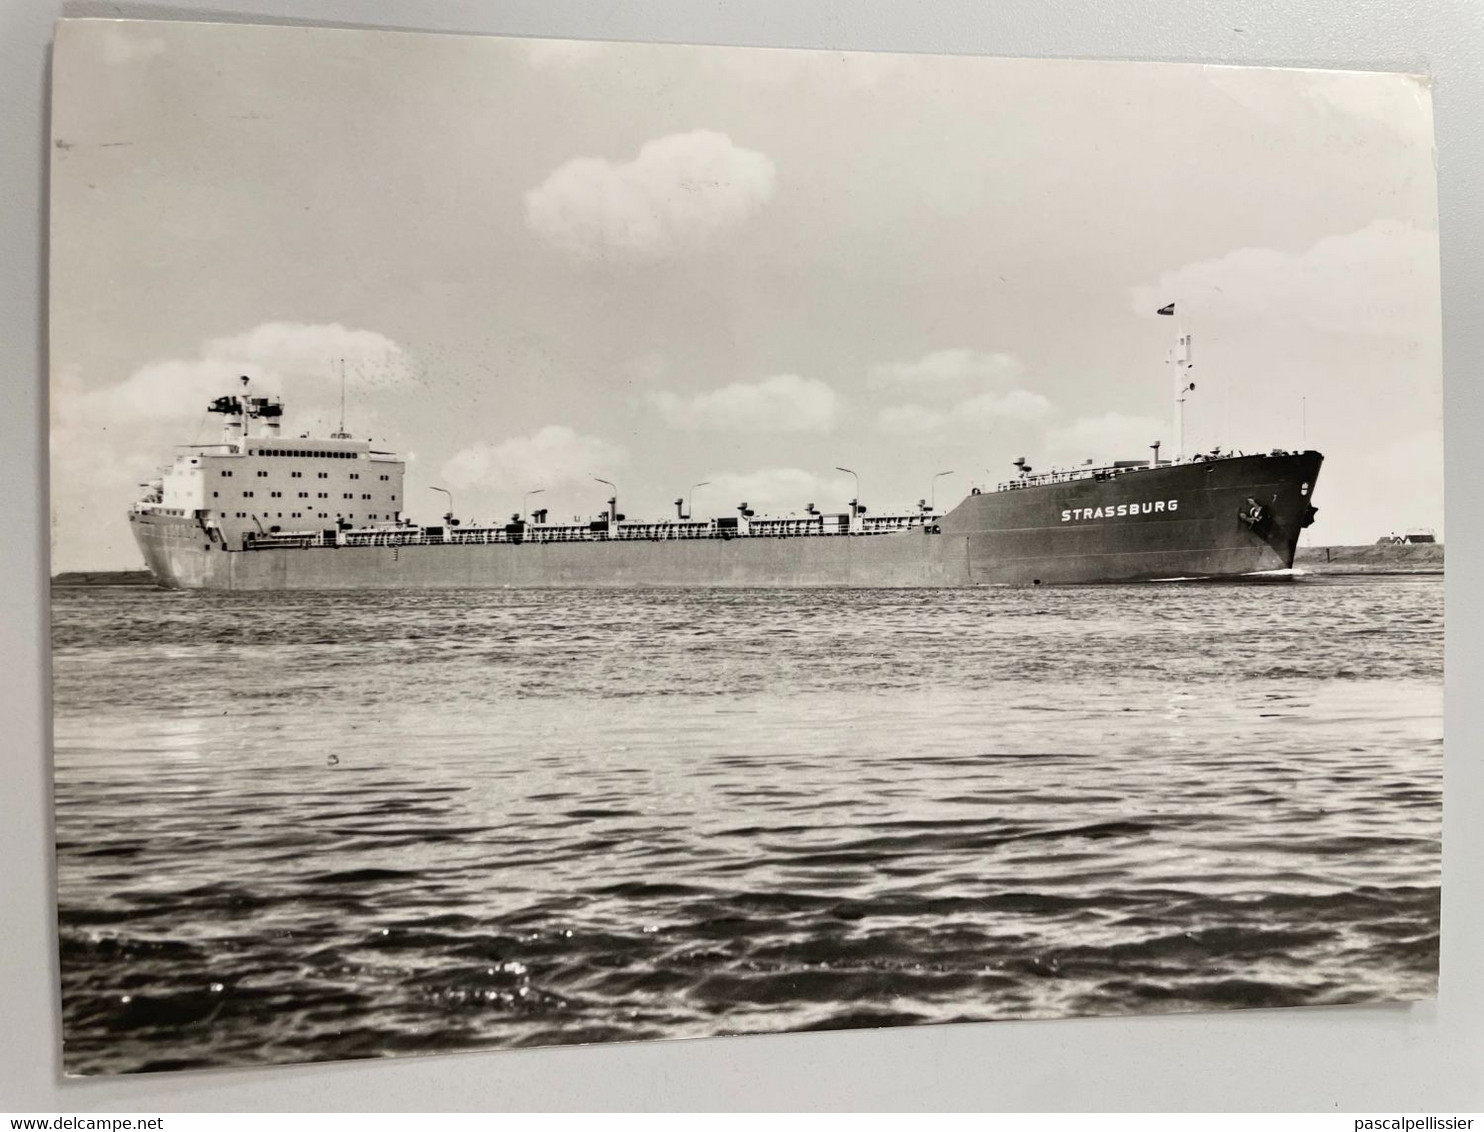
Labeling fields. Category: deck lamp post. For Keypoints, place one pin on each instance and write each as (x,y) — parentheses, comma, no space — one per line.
(932,490)
(856,502)
(526,500)
(447,518)
(690,497)
(612,503)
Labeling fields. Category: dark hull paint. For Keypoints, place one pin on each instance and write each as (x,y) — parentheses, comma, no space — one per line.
(1018,537)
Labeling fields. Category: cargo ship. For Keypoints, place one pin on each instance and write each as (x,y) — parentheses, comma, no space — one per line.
(261,511)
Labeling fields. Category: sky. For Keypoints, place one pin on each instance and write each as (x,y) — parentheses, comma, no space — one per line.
(548,261)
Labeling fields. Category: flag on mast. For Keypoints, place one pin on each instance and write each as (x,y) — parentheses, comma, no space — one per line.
(1166,310)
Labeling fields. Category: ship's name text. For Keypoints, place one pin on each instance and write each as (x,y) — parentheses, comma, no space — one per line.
(1079,514)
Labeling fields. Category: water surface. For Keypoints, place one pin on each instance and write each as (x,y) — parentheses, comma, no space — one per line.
(312,826)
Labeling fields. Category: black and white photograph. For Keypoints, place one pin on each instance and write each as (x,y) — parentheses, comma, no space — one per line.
(561,542)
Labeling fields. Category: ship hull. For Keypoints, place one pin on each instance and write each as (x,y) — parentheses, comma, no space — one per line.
(1180,521)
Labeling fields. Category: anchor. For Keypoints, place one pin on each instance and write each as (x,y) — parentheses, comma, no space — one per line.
(1253,513)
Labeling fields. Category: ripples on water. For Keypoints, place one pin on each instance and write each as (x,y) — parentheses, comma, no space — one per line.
(315,826)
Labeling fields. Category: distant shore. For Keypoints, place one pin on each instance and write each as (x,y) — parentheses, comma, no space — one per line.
(1380,558)
(1421,558)
(103,578)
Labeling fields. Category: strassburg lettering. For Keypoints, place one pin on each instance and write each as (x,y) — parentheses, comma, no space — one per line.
(1119,511)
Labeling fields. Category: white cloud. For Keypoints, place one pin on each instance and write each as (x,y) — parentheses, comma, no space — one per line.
(309,349)
(1381,279)
(771,491)
(785,403)
(279,357)
(980,412)
(1103,439)
(552,456)
(952,365)
(177,387)
(675,196)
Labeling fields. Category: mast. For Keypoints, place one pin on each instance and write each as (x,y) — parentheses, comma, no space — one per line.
(1179,359)
(340,433)
(246,408)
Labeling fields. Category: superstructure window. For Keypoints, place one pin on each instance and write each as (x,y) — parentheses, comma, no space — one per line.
(226,473)
(296,475)
(324,475)
(262,474)
(303,452)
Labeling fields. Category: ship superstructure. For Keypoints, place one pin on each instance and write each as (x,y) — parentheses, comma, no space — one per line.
(256,482)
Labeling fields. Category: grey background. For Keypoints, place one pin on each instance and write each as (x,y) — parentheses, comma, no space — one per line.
(1425,1057)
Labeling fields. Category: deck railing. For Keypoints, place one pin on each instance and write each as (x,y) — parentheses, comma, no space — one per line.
(1108,471)
(813,526)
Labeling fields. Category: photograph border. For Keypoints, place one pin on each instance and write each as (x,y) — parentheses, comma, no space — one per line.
(1417,1057)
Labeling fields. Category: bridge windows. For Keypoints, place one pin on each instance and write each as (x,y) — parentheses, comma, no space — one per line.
(306,452)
